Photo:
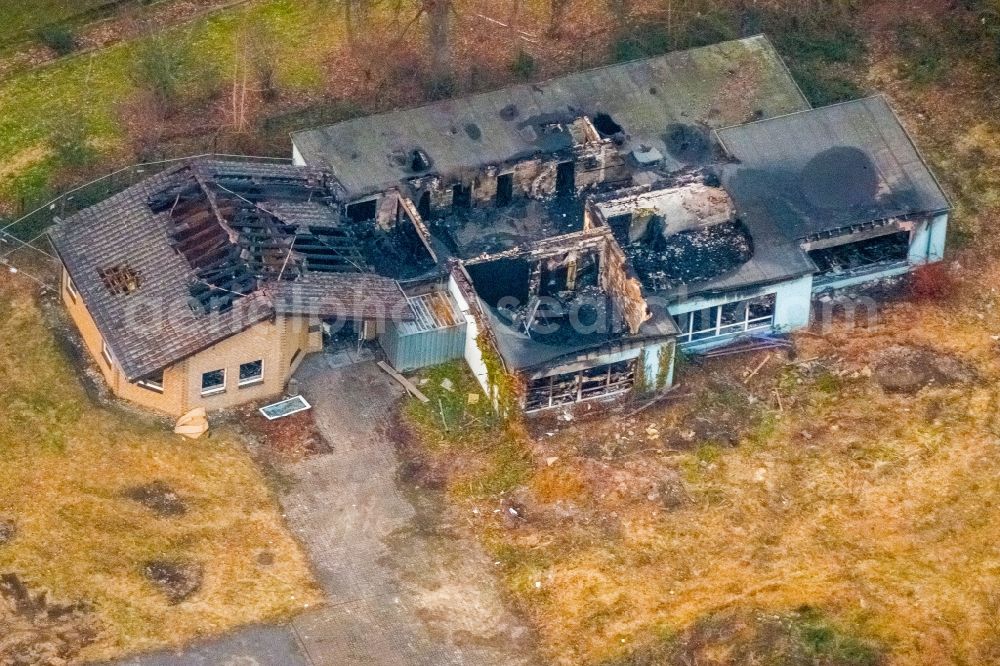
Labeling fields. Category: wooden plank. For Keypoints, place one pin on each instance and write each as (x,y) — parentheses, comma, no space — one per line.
(404,382)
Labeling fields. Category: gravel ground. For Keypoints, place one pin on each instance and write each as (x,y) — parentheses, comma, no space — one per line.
(402,585)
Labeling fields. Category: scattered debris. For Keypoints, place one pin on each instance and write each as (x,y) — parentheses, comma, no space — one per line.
(666,395)
(159,498)
(294,436)
(750,375)
(666,261)
(265,558)
(671,493)
(35,631)
(404,382)
(514,512)
(447,384)
(192,425)
(176,580)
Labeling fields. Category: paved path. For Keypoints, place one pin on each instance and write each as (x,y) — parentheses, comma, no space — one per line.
(402,587)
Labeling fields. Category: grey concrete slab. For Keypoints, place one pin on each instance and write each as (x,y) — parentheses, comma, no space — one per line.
(250,646)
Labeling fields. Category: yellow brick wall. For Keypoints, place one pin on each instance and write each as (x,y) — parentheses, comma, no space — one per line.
(276,343)
(170,401)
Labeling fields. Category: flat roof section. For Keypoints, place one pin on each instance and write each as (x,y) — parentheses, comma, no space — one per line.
(821,170)
(712,86)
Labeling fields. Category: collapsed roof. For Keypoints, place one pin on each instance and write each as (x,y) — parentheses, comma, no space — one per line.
(202,251)
(653,101)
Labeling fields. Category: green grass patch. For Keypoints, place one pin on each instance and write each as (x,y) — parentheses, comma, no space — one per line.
(449,415)
(925,58)
(193,62)
(804,636)
(825,52)
(495,451)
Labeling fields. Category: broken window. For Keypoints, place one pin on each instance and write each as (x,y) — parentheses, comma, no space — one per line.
(251,373)
(563,389)
(153,382)
(419,160)
(424,205)
(363,211)
(505,189)
(565,179)
(461,195)
(728,319)
(213,382)
(120,279)
(863,256)
(606,125)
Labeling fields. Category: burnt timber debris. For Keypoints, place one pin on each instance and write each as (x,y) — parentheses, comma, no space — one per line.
(580,229)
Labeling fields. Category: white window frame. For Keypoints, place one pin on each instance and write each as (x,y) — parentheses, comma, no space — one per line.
(215,389)
(71,288)
(109,358)
(251,381)
(718,329)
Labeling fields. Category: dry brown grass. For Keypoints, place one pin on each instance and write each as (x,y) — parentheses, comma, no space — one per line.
(64,464)
(875,508)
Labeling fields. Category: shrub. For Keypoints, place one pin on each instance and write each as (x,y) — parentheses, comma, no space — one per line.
(925,59)
(804,636)
(158,68)
(643,41)
(824,51)
(59,38)
(523,66)
(931,282)
(70,141)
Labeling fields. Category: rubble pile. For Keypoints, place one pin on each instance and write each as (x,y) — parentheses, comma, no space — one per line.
(690,256)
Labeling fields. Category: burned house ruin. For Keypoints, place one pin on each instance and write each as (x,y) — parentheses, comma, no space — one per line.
(578,230)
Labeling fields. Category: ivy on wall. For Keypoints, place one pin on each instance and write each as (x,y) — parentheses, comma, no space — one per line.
(505,387)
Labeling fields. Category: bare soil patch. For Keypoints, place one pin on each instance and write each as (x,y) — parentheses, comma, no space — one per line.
(178,581)
(159,498)
(900,369)
(290,438)
(8,530)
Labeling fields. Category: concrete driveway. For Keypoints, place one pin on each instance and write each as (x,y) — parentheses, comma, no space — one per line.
(402,586)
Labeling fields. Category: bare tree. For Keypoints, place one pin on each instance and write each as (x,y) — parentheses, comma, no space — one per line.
(355,15)
(557,14)
(438,13)
(439,37)
(243,99)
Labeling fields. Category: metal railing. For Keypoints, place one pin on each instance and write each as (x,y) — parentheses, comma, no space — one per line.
(31,225)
